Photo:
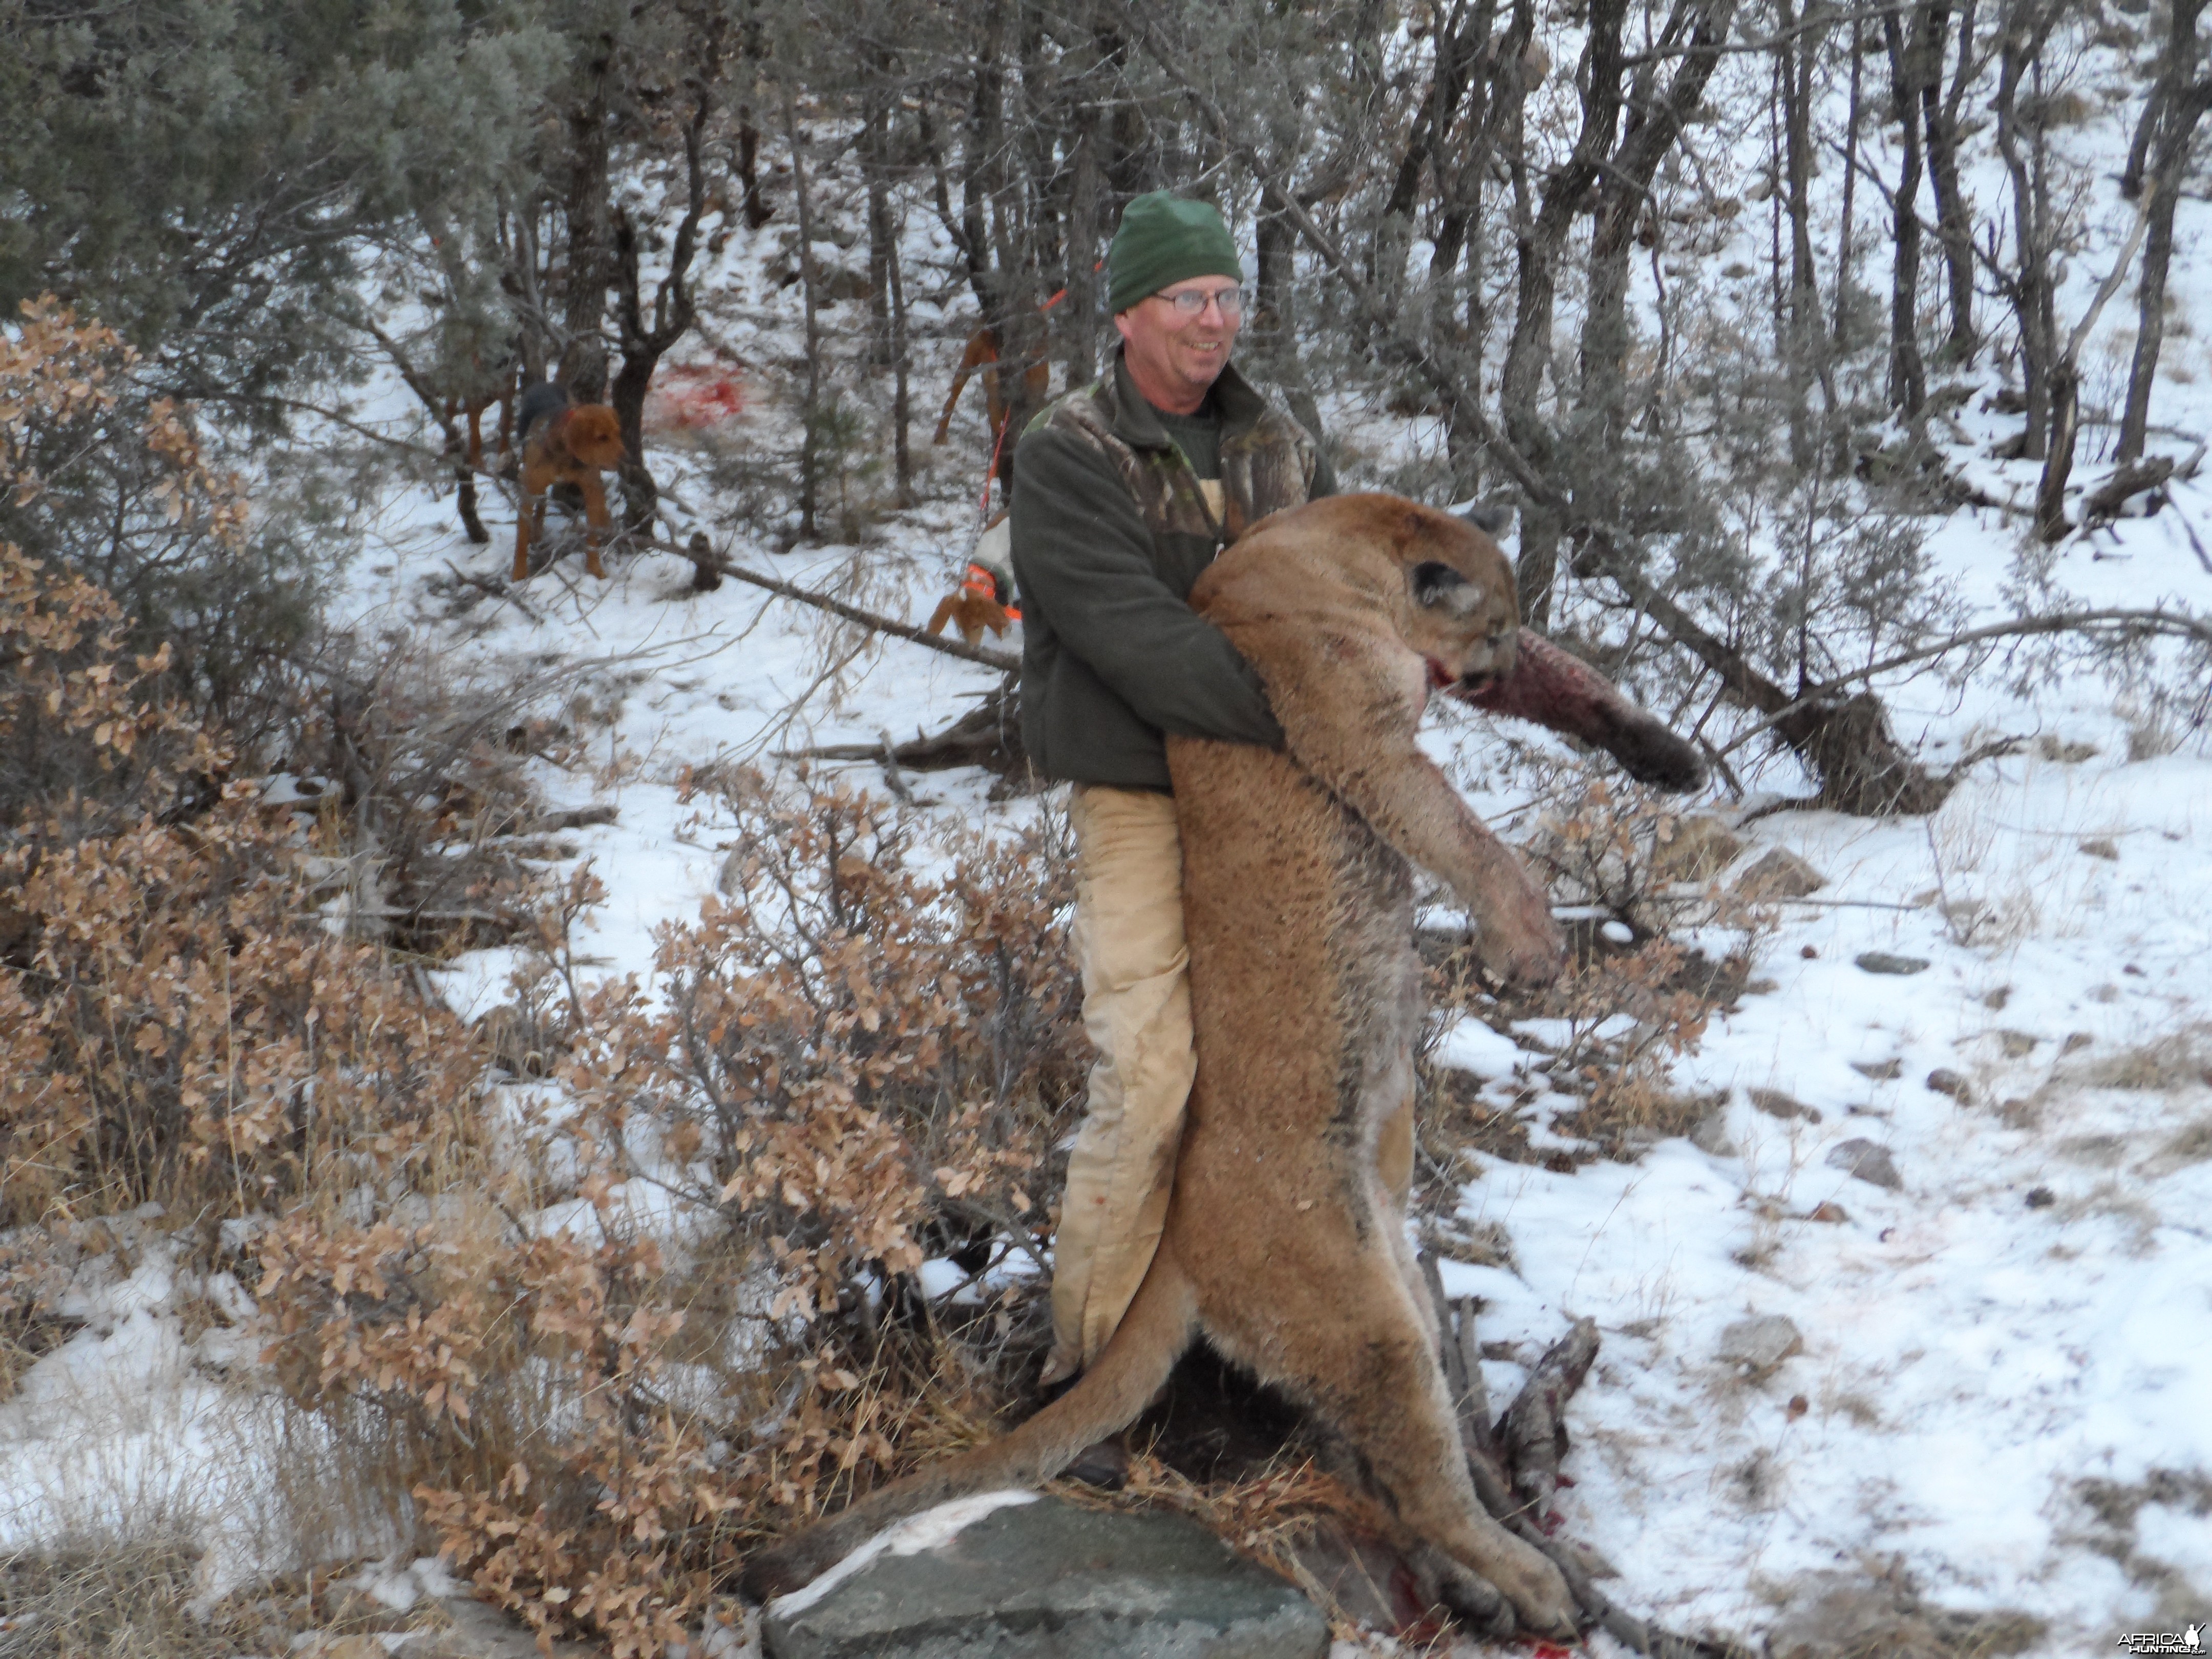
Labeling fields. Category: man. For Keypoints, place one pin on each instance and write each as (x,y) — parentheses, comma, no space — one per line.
(1124,492)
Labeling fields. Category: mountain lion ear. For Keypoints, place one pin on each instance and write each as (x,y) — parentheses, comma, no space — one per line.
(1440,587)
(1490,520)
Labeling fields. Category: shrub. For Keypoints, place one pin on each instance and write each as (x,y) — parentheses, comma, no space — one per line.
(176,1024)
(848,1057)
(116,487)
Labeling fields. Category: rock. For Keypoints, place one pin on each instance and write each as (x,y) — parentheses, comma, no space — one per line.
(1774,1104)
(1045,1580)
(1829,1211)
(2102,847)
(2068,754)
(1761,1343)
(1700,849)
(2076,1041)
(2017,1045)
(1779,875)
(1881,962)
(1867,1161)
(1881,1071)
(2041,1198)
(1711,1134)
(1945,1081)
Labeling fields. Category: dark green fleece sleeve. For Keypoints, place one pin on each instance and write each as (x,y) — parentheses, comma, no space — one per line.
(1085,561)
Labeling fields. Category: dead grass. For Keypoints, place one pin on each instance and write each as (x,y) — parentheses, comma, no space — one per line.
(141,1599)
(2178,1060)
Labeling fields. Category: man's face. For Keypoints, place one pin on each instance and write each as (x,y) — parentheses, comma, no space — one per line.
(1174,357)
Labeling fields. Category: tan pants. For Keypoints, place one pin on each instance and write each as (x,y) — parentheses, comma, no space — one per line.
(1136,1006)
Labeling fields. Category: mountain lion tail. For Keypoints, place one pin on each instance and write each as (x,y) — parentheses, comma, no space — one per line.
(1104,1400)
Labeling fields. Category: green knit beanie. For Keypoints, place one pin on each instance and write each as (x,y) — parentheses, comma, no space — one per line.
(1164,240)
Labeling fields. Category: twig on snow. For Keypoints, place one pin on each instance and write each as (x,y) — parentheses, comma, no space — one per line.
(1636,1635)
(1535,1428)
(1005,661)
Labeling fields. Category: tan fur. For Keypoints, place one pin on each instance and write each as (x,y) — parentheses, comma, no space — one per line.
(982,354)
(573,447)
(1285,1240)
(971,613)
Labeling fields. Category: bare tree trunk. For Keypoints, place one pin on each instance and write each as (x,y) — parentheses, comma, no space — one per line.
(1801,38)
(1085,232)
(810,457)
(1459,228)
(2156,161)
(1540,243)
(2026,27)
(1432,122)
(1854,110)
(1698,29)
(752,44)
(1275,321)
(902,402)
(1908,377)
(643,343)
(875,161)
(980,156)
(589,142)
(2150,327)
(757,212)
(1954,216)
(2051,520)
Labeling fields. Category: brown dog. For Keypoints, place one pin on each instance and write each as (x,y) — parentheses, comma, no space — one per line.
(982,356)
(564,443)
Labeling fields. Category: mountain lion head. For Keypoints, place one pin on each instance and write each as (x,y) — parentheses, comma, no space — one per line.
(1459,610)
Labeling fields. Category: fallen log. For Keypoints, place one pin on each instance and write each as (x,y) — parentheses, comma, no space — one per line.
(1539,1409)
(1534,1428)
(1005,661)
(989,735)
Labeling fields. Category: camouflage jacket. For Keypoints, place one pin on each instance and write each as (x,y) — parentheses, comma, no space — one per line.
(1111,526)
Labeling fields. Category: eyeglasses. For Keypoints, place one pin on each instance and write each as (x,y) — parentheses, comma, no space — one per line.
(1192,302)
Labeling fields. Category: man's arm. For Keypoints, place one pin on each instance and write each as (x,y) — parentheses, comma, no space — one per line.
(1083,559)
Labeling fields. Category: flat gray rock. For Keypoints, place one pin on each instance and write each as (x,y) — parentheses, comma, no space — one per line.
(1881,962)
(1869,1161)
(1045,1580)
(1779,875)
(1945,1081)
(1761,1343)
(1710,1134)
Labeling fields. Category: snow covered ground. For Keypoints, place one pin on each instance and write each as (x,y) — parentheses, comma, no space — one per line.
(2004,1385)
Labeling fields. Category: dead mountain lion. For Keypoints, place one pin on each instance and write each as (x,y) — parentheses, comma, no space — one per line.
(1285,1240)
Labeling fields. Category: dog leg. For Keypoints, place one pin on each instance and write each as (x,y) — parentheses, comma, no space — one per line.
(531,506)
(595,520)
